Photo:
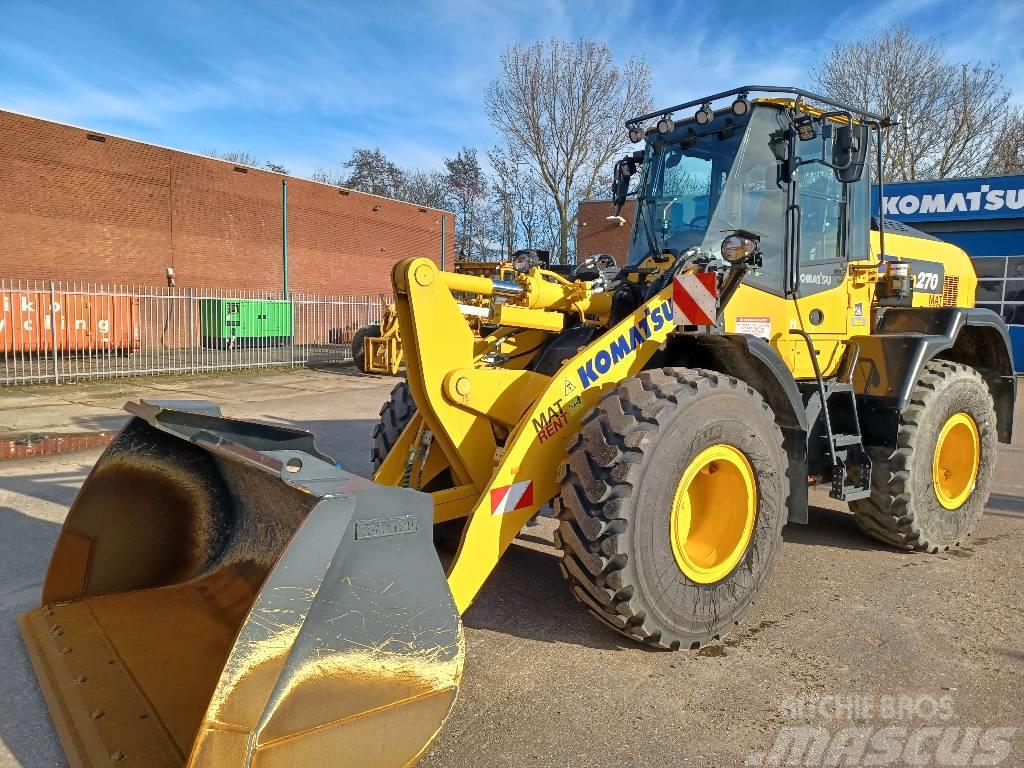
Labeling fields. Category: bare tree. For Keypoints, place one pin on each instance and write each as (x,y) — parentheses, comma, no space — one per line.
(519,203)
(505,186)
(1008,153)
(467,187)
(370,170)
(239,157)
(424,188)
(563,105)
(325,176)
(951,113)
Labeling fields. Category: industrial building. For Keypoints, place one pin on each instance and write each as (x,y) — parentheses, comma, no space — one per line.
(84,206)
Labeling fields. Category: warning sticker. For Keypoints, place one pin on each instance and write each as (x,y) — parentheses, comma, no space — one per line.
(755,326)
(509,498)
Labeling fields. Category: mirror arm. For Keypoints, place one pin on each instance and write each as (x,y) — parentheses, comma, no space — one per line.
(827,164)
(791,243)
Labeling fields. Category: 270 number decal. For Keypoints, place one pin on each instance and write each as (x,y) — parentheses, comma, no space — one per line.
(926,281)
(928,276)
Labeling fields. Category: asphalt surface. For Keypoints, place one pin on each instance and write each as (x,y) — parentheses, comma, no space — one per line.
(848,634)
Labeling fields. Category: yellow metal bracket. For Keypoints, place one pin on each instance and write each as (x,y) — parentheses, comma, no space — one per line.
(524,317)
(498,393)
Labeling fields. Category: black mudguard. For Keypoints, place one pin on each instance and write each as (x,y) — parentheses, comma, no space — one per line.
(891,361)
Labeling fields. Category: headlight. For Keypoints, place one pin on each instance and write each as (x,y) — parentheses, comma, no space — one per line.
(524,262)
(736,248)
(741,106)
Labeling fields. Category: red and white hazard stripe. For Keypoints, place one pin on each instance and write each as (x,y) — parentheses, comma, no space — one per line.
(694,299)
(509,498)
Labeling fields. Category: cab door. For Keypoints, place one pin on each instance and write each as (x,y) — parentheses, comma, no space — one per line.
(822,307)
(821,295)
(829,306)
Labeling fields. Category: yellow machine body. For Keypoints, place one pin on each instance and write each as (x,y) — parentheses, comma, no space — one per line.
(847,308)
(383,354)
(464,403)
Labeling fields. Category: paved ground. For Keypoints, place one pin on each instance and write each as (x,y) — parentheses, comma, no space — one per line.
(546,685)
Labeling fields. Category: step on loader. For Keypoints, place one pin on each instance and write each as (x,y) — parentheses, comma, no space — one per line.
(223,595)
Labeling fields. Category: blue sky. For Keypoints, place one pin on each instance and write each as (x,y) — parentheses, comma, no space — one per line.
(302,83)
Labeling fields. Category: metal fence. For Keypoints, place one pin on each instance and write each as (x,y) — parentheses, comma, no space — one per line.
(52,331)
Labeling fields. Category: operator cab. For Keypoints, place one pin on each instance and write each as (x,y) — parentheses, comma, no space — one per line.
(766,167)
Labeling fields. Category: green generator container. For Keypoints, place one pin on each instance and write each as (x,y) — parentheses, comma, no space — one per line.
(245,322)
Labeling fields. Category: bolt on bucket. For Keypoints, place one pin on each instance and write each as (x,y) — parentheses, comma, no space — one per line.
(222,595)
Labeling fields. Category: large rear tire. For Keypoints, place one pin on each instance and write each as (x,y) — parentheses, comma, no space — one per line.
(359,348)
(929,493)
(673,499)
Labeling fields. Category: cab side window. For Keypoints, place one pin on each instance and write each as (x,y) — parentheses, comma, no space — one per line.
(822,198)
(756,202)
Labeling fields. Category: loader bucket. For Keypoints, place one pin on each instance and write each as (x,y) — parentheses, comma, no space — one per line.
(222,594)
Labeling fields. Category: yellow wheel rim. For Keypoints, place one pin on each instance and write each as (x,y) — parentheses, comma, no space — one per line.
(713,514)
(956,460)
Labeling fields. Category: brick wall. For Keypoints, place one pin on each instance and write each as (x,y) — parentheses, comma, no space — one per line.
(595,234)
(120,211)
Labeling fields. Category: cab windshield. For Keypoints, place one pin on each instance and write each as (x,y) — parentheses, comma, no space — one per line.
(701,182)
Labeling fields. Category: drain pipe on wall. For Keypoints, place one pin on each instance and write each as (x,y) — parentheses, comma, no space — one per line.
(284,233)
(444,219)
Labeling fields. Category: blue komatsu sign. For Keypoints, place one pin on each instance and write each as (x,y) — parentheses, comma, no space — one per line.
(990,197)
(625,345)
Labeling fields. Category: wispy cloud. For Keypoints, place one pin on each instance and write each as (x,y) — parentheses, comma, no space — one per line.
(304,82)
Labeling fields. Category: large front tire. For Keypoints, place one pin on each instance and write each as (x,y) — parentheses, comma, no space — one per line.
(672,504)
(929,492)
(396,413)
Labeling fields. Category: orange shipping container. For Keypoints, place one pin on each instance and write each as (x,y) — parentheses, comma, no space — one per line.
(76,322)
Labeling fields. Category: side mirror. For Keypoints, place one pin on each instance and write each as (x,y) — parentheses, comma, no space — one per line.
(782,144)
(624,170)
(849,150)
(620,186)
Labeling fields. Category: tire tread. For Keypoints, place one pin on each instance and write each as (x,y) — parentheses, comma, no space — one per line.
(602,469)
(886,515)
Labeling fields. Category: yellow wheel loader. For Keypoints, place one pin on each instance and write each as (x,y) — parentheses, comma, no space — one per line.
(222,594)
(377,347)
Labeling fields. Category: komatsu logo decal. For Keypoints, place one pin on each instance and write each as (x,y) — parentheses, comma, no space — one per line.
(996,197)
(982,198)
(625,345)
(819,278)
